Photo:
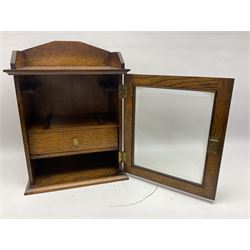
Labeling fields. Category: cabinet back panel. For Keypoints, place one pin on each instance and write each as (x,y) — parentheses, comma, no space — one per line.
(70,95)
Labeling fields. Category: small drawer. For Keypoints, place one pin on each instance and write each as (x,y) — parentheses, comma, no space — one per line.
(86,139)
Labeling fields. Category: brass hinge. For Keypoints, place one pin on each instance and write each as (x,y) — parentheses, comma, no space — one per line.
(122,157)
(213,145)
(122,91)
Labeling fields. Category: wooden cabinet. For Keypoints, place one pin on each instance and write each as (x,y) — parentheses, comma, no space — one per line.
(77,107)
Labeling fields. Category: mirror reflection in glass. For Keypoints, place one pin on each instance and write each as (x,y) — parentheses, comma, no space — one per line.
(171,131)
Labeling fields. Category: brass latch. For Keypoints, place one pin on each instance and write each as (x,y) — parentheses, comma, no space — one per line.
(122,157)
(122,91)
(213,145)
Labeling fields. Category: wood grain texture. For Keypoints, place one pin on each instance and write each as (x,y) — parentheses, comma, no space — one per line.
(22,115)
(116,60)
(209,84)
(218,130)
(66,53)
(223,90)
(65,95)
(89,138)
(70,153)
(64,123)
(91,70)
(120,122)
(31,189)
(66,57)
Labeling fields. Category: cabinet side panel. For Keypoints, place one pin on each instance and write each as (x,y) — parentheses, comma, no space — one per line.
(23,127)
(120,122)
(128,120)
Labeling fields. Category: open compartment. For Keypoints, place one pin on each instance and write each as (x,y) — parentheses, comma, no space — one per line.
(56,173)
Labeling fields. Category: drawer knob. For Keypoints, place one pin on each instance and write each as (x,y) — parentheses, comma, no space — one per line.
(75,142)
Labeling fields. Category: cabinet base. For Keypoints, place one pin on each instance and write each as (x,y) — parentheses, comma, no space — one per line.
(33,189)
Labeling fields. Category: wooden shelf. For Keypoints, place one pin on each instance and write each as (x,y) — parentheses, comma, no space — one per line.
(60,123)
(69,153)
(66,70)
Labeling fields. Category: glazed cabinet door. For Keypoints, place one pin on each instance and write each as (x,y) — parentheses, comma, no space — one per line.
(175,130)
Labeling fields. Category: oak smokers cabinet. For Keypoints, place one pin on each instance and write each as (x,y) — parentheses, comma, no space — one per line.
(86,121)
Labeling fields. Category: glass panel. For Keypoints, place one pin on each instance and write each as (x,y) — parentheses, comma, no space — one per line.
(171,131)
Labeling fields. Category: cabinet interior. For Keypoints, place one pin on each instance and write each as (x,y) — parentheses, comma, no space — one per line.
(72,124)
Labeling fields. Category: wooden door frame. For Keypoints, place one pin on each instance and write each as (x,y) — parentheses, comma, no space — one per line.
(222,87)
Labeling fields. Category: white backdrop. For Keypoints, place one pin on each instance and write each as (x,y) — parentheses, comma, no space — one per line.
(221,54)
